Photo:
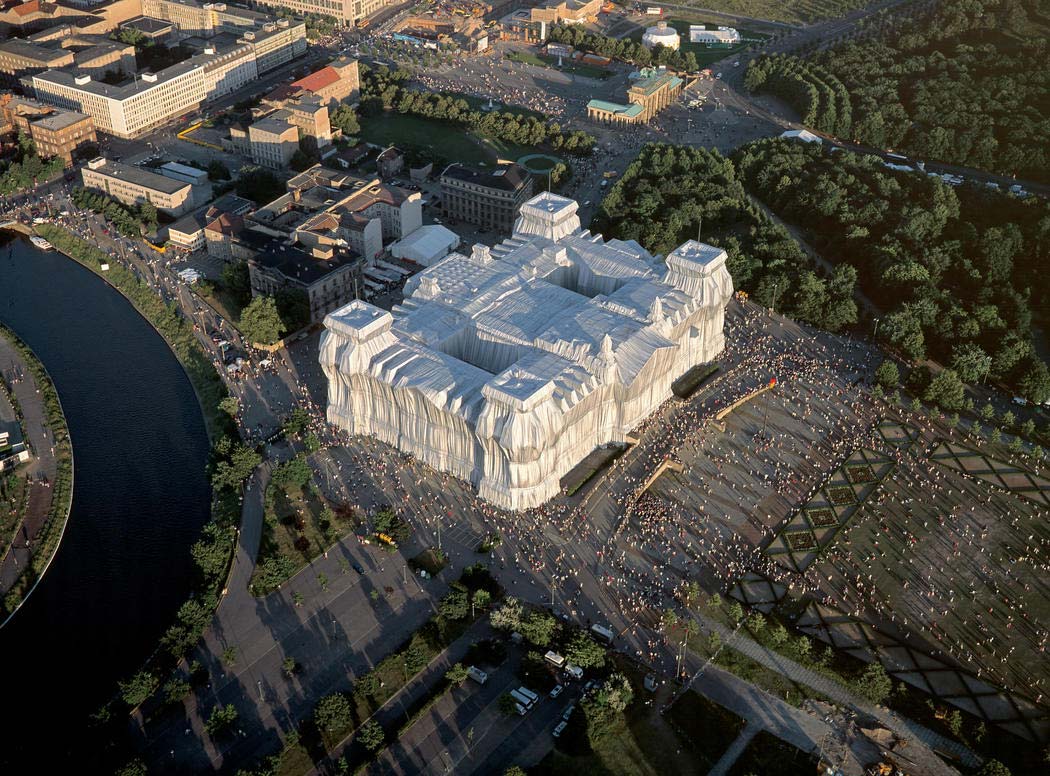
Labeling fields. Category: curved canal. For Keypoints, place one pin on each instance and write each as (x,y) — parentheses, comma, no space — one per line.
(139,501)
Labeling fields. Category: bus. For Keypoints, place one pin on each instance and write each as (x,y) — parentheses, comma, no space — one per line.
(555,659)
(604,634)
(526,699)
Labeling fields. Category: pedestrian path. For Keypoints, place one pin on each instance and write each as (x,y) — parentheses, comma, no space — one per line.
(740,743)
(841,695)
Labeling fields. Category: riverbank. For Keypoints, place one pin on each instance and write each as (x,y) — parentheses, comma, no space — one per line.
(48,475)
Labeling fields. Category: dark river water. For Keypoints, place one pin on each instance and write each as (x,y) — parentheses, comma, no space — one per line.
(140,498)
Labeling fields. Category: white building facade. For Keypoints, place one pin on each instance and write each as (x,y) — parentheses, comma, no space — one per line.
(727,36)
(508,366)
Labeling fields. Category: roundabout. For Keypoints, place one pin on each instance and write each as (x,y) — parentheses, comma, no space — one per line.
(539,164)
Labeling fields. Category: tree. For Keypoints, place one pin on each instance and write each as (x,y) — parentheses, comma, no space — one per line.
(508,615)
(230,406)
(217,171)
(735,612)
(344,118)
(946,390)
(585,652)
(482,598)
(297,421)
(333,713)
(221,720)
(970,362)
(231,471)
(236,281)
(514,770)
(457,674)
(295,473)
(888,375)
(874,684)
(371,735)
(756,622)
(616,692)
(538,628)
(290,667)
(778,635)
(260,321)
(137,689)
(993,768)
(455,605)
(507,705)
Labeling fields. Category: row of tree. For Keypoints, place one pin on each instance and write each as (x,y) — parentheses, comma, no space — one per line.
(385,89)
(670,193)
(820,98)
(623,48)
(955,270)
(130,220)
(962,81)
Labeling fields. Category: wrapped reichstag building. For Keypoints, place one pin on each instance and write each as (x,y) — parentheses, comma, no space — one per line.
(508,366)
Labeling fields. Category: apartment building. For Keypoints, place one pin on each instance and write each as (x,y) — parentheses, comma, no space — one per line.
(62,134)
(273,141)
(489,198)
(335,83)
(57,133)
(203,20)
(362,234)
(328,275)
(134,185)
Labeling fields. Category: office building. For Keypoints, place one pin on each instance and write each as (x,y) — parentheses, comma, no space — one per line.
(508,366)
(149,100)
(135,185)
(489,198)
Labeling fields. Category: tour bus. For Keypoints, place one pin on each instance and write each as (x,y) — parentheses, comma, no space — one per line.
(603,633)
(555,659)
(526,699)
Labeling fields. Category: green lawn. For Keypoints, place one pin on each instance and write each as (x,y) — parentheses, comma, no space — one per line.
(437,138)
(568,65)
(290,516)
(13,493)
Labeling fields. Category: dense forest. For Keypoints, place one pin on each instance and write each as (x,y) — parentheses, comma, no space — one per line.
(955,271)
(669,193)
(960,81)
(385,89)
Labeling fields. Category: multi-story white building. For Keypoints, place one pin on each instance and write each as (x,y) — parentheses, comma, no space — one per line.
(346,11)
(149,100)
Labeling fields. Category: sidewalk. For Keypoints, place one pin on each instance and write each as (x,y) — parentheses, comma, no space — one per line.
(41,469)
(788,668)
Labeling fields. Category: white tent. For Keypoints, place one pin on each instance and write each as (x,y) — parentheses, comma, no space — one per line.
(427,245)
(801,134)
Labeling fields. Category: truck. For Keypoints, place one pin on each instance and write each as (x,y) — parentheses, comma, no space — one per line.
(604,634)
(574,671)
(654,10)
(477,674)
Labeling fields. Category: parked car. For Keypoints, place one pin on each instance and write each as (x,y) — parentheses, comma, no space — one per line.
(559,728)
(558,690)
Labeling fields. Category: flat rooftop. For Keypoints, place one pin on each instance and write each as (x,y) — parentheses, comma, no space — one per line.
(138,177)
(60,119)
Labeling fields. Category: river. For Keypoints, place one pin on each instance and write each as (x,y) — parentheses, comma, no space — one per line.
(139,500)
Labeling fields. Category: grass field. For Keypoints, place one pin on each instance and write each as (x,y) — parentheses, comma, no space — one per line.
(437,138)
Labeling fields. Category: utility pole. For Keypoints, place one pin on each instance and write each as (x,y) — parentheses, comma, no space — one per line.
(773,309)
